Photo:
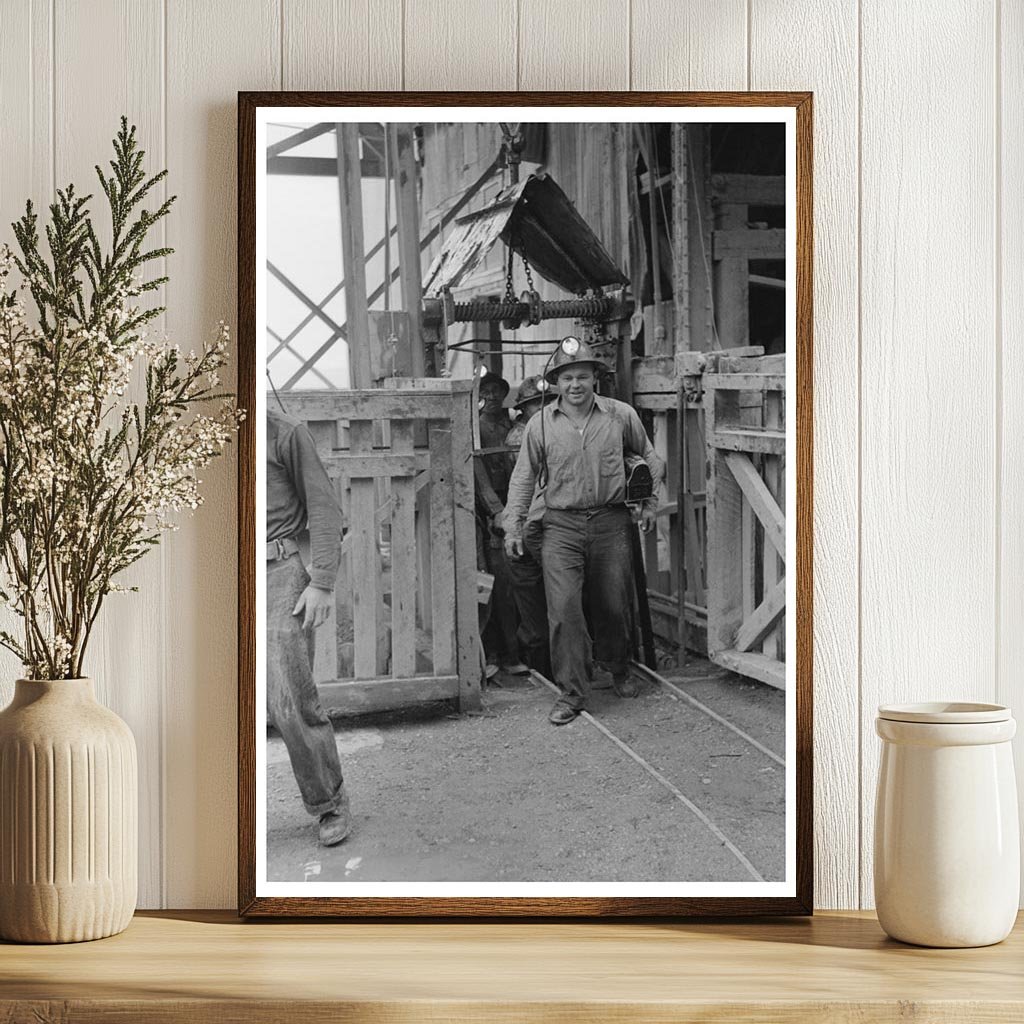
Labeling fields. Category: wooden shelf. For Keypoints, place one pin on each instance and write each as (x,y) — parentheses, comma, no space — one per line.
(199,967)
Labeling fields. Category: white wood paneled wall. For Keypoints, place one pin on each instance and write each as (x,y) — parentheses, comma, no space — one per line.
(919,326)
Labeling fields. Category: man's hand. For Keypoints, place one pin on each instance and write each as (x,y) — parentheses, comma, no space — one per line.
(514,547)
(648,516)
(314,606)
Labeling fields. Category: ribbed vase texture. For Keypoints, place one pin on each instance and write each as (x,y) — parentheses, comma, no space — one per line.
(68,815)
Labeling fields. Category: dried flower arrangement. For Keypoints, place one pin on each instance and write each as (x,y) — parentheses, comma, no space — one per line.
(89,476)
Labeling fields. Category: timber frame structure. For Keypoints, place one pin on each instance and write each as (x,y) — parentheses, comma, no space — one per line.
(667,229)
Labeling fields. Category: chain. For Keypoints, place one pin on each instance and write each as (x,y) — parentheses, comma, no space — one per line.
(510,295)
(529,276)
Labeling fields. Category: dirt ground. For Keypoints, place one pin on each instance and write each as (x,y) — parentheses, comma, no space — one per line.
(502,795)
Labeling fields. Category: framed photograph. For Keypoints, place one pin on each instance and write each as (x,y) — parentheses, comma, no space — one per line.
(525,504)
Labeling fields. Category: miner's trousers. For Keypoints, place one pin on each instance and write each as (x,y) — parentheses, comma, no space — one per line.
(587,561)
(293,703)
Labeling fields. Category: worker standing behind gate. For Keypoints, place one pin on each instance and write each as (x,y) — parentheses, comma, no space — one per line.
(579,443)
(491,471)
(525,572)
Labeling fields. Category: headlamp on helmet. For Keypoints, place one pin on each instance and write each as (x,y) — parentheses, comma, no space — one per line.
(570,346)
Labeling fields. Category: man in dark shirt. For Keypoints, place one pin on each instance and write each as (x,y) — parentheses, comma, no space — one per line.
(301,502)
(577,446)
(491,469)
(525,572)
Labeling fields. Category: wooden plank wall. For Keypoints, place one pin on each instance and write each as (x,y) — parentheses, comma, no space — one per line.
(918,306)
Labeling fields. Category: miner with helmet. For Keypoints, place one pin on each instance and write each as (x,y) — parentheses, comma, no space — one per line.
(525,572)
(576,448)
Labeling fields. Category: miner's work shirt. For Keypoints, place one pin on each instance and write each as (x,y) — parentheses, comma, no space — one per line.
(300,496)
(585,464)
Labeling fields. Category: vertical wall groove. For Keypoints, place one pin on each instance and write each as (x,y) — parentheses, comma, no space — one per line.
(162,612)
(997,233)
(860,461)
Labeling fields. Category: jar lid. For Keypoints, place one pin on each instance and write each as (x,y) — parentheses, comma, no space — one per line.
(945,712)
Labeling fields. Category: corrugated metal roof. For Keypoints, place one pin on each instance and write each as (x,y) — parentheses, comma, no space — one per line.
(543,224)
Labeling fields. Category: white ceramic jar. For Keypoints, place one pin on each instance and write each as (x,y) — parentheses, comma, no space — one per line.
(947,847)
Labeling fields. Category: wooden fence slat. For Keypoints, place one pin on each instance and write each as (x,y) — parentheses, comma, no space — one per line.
(364,560)
(775,481)
(756,666)
(763,618)
(724,569)
(466,625)
(761,500)
(403,559)
(442,548)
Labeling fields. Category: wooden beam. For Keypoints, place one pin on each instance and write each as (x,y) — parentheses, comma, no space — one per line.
(405,171)
(754,666)
(292,141)
(655,401)
(739,440)
(749,189)
(697,199)
(467,630)
(732,286)
(761,500)
(440,594)
(378,465)
(749,243)
(680,242)
(368,404)
(350,193)
(774,475)
(768,282)
(745,381)
(318,166)
(760,622)
(342,697)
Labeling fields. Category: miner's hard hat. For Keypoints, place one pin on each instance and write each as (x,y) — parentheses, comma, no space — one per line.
(531,389)
(573,352)
(492,379)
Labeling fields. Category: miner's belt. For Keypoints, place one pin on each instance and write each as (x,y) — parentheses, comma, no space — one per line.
(618,506)
(280,549)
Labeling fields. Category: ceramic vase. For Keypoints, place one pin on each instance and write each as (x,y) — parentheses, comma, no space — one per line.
(68,815)
(947,847)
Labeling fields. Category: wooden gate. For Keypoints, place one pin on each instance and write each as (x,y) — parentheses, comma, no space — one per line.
(745,433)
(404,628)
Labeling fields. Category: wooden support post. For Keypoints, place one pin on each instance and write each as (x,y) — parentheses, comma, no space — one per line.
(680,240)
(699,225)
(410,272)
(652,209)
(682,533)
(775,481)
(350,193)
(732,286)
(724,533)
(467,630)
(442,545)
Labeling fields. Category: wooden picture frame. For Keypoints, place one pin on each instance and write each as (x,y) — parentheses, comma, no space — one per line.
(448,397)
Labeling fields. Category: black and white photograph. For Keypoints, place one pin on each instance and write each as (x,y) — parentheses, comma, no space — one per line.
(525,474)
